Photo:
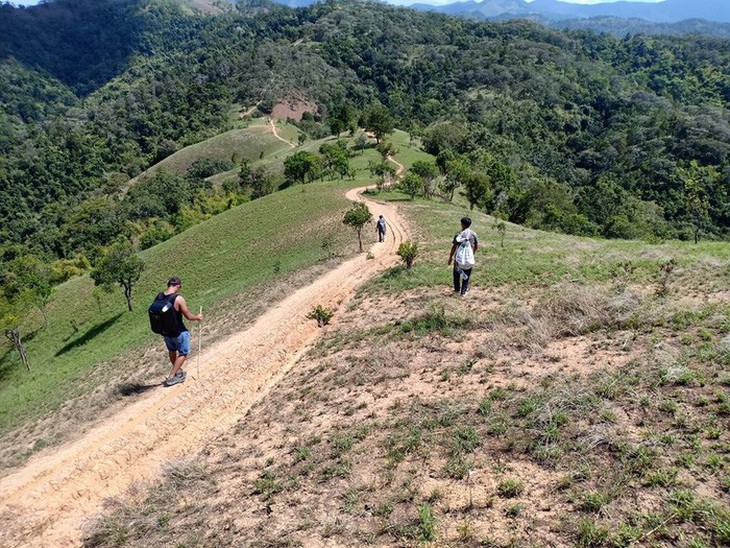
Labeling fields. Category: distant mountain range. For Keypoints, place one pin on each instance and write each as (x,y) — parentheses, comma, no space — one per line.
(668,11)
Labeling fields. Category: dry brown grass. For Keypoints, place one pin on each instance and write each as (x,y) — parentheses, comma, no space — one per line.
(574,417)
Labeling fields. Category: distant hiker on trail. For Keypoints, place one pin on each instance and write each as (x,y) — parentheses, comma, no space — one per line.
(463,248)
(166,314)
(380,227)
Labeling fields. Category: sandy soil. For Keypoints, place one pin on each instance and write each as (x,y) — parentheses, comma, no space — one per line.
(48,501)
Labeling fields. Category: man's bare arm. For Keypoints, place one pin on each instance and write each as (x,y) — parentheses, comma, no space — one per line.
(182,306)
(451,254)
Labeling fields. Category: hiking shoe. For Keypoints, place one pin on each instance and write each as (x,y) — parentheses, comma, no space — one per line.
(181,373)
(177,379)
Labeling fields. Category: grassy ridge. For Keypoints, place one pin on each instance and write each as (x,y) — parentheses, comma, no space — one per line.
(236,253)
(229,254)
(253,142)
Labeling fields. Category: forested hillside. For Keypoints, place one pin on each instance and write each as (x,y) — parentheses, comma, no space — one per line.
(568,131)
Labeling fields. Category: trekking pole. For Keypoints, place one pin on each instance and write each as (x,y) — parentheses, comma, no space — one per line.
(200,341)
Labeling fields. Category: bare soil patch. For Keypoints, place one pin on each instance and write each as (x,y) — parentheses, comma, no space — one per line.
(294,108)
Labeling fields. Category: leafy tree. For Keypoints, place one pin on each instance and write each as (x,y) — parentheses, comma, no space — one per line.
(336,157)
(386,149)
(385,172)
(455,173)
(28,274)
(342,117)
(358,216)
(696,180)
(301,166)
(427,171)
(378,120)
(207,167)
(119,265)
(261,182)
(477,189)
(25,284)
(13,311)
(361,141)
(445,136)
(411,184)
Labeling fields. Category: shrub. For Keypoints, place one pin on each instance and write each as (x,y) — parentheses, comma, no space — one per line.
(408,251)
(321,314)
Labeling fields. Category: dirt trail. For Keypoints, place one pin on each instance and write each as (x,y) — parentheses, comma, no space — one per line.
(276,134)
(48,501)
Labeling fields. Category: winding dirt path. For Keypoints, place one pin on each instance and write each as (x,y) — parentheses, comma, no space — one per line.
(272,125)
(49,500)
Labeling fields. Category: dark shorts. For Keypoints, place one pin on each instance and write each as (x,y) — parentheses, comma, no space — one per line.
(181,343)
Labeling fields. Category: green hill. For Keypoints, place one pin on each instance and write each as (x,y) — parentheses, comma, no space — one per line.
(251,143)
(576,132)
(84,348)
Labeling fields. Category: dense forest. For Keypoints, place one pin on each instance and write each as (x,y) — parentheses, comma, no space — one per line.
(564,130)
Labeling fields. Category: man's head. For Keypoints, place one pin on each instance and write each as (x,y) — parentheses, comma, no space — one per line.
(174,282)
(465,222)
(380,217)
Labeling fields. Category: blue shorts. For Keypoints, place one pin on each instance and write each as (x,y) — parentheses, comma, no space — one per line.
(181,343)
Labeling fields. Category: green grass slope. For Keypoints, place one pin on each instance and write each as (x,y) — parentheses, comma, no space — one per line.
(252,142)
(228,254)
(579,396)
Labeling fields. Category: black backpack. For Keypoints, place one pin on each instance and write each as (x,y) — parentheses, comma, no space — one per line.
(163,318)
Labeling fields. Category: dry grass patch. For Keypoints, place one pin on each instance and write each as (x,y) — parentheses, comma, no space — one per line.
(574,417)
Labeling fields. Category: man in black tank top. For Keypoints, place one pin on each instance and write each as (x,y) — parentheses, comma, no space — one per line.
(178,346)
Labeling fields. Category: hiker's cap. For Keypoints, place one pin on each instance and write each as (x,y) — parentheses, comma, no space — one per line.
(174,281)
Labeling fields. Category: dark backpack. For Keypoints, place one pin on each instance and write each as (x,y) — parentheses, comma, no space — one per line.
(163,318)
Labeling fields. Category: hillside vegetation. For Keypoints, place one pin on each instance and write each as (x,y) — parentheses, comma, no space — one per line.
(574,132)
(577,397)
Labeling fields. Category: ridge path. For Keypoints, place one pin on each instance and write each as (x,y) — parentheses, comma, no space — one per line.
(48,501)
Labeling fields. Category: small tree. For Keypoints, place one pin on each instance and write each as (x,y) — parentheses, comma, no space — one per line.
(385,173)
(361,142)
(386,149)
(411,184)
(427,171)
(28,273)
(119,265)
(13,310)
(478,189)
(501,227)
(357,217)
(379,121)
(301,166)
(321,314)
(408,251)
